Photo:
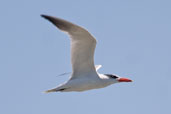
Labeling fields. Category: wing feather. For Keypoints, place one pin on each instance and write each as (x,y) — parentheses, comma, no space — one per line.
(82,46)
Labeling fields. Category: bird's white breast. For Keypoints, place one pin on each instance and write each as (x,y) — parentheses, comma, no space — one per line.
(87,83)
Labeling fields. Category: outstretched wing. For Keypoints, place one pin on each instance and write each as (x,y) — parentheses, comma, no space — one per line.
(82,46)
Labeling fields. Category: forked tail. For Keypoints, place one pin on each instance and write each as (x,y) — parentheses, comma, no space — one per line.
(51,90)
(54,90)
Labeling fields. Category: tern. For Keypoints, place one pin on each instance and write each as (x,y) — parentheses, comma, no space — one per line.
(84,73)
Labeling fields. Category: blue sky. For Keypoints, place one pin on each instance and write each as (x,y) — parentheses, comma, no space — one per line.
(134,41)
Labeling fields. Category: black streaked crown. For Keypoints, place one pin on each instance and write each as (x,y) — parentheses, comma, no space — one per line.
(111,76)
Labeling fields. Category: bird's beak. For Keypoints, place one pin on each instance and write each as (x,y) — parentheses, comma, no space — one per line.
(124,80)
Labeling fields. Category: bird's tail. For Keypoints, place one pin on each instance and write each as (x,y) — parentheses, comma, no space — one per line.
(51,90)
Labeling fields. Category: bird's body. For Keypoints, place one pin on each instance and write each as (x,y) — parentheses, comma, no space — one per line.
(85,83)
(84,72)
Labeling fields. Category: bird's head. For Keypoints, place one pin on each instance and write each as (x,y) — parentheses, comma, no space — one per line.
(117,78)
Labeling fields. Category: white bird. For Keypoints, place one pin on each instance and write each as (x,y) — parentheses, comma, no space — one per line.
(84,73)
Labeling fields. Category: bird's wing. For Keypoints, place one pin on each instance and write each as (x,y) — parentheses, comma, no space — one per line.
(82,46)
(98,67)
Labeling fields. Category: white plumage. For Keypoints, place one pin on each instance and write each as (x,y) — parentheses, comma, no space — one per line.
(84,75)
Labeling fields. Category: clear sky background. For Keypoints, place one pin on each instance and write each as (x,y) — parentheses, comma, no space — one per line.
(134,41)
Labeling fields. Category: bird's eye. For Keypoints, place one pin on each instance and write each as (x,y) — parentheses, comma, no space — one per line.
(111,76)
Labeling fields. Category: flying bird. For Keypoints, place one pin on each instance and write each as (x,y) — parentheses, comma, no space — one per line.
(84,73)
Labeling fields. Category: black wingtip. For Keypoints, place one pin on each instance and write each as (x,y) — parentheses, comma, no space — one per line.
(44,16)
(50,18)
(59,23)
